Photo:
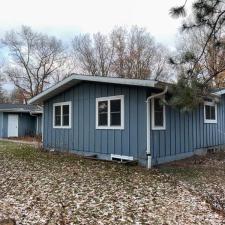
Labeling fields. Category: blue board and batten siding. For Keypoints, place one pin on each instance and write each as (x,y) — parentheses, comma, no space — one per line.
(84,137)
(184,133)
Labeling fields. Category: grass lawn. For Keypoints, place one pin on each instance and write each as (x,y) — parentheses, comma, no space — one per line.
(49,188)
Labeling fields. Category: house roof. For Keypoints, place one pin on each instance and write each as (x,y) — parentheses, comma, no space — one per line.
(7,107)
(220,92)
(75,79)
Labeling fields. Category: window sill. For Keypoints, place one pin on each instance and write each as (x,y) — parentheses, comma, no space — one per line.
(210,121)
(158,128)
(62,127)
(110,128)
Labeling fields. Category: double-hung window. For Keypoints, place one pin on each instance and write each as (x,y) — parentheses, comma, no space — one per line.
(110,112)
(62,115)
(158,114)
(210,112)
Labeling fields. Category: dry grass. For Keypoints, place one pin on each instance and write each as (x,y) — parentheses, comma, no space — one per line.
(46,188)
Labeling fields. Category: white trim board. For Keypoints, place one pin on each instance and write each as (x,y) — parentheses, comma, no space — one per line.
(210,120)
(153,116)
(75,79)
(108,99)
(69,103)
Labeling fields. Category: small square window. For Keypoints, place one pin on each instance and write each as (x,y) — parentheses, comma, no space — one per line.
(210,112)
(110,112)
(62,115)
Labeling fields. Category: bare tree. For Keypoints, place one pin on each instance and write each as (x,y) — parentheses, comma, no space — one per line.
(129,54)
(84,53)
(34,59)
(104,52)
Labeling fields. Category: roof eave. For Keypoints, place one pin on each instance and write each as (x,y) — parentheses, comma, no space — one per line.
(75,79)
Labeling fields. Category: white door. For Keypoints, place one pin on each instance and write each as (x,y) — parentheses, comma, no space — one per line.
(12,125)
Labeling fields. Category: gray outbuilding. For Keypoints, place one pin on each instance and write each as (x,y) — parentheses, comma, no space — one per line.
(18,120)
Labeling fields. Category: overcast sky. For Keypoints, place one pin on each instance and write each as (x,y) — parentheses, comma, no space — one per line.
(65,18)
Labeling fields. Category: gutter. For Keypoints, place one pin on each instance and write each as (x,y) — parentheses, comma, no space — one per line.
(148,152)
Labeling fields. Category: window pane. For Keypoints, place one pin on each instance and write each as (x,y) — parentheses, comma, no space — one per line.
(115,114)
(115,119)
(57,115)
(65,120)
(103,113)
(115,105)
(158,107)
(66,109)
(103,119)
(207,112)
(213,113)
(159,119)
(58,110)
(103,107)
(57,120)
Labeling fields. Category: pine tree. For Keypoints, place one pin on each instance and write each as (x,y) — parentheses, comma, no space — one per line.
(193,80)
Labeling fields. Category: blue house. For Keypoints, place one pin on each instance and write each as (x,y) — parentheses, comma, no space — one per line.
(18,120)
(123,119)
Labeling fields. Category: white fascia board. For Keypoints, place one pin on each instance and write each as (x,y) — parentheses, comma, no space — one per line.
(74,77)
(221,92)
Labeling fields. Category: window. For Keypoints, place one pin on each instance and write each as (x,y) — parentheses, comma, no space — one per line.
(110,112)
(158,114)
(210,112)
(62,115)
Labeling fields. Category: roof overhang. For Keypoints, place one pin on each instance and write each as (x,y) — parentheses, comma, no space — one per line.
(74,79)
(21,111)
(219,93)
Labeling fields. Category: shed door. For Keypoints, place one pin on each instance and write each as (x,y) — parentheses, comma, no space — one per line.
(12,125)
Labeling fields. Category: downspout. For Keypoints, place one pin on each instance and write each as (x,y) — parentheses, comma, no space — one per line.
(148,152)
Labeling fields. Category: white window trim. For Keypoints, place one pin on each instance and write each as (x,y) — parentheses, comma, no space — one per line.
(153,116)
(210,104)
(70,114)
(108,99)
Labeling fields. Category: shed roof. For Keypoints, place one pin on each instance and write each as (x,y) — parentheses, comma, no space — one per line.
(75,79)
(8,107)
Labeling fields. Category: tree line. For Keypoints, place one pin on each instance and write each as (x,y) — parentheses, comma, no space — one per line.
(35,60)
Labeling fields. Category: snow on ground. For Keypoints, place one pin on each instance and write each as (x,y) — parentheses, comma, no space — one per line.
(47,188)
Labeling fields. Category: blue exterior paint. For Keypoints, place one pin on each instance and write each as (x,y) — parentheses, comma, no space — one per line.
(26,124)
(184,133)
(38,124)
(83,137)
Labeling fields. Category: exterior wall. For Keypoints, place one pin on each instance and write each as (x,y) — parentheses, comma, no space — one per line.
(83,136)
(26,126)
(186,132)
(38,125)
(5,125)
(1,124)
